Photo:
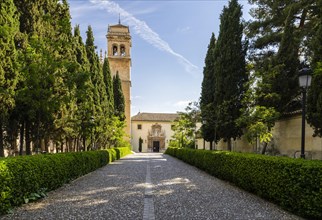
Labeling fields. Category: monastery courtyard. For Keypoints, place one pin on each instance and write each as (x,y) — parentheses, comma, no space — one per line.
(149,186)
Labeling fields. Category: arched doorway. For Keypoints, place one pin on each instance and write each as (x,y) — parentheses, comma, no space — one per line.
(156,138)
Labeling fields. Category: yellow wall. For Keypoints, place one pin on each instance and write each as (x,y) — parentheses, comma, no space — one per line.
(286,140)
(143,133)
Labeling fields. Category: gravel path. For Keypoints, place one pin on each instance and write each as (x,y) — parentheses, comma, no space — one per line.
(149,186)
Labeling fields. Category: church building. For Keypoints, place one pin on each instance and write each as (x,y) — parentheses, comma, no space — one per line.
(152,132)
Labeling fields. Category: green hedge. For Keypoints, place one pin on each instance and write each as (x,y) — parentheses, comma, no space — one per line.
(22,176)
(294,184)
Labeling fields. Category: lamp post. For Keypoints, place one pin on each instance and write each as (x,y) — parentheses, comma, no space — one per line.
(305,76)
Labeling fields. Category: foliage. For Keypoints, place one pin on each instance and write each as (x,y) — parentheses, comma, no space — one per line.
(119,102)
(257,120)
(23,179)
(62,93)
(207,94)
(314,102)
(108,84)
(9,28)
(294,184)
(184,127)
(281,34)
(230,73)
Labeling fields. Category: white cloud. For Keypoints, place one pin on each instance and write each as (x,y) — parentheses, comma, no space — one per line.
(182,103)
(138,97)
(183,29)
(146,33)
(81,9)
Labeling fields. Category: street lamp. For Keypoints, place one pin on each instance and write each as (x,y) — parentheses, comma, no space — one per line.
(305,76)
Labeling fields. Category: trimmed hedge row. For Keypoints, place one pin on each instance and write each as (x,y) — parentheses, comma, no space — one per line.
(22,176)
(294,184)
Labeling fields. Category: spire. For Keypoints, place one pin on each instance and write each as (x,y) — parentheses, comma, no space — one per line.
(119,18)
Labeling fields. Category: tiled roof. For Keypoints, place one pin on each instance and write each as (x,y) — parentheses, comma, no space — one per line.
(154,117)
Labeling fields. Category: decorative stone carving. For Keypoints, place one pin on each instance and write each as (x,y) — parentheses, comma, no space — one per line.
(156,134)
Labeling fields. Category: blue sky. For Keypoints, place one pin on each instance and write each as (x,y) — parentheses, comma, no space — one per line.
(169,44)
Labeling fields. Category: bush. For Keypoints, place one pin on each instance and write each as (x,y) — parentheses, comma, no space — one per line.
(23,176)
(294,184)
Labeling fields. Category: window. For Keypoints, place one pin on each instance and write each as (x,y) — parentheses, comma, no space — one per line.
(139,126)
(122,51)
(114,50)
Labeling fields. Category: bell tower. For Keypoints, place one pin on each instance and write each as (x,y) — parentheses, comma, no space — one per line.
(119,57)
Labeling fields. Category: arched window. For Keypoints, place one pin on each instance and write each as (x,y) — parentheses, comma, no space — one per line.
(114,50)
(123,51)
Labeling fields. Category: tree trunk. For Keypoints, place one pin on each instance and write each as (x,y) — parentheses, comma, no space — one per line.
(229,144)
(14,144)
(84,144)
(67,145)
(56,146)
(62,146)
(28,139)
(47,144)
(204,144)
(1,140)
(77,144)
(22,135)
(210,145)
(38,139)
(264,148)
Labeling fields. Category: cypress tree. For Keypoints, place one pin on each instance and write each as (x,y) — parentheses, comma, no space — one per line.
(99,93)
(119,102)
(9,28)
(230,72)
(33,91)
(66,64)
(94,69)
(84,89)
(207,94)
(108,84)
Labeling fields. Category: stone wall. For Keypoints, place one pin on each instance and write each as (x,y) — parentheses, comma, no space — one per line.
(286,141)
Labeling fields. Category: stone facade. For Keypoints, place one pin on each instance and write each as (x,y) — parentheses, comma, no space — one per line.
(154,129)
(119,57)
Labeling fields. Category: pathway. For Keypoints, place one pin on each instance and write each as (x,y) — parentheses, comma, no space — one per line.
(149,186)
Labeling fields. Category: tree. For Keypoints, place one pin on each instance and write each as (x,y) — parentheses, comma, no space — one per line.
(267,28)
(108,84)
(184,127)
(230,73)
(65,116)
(207,94)
(257,120)
(35,100)
(278,78)
(119,102)
(9,27)
(84,89)
(280,31)
(314,101)
(101,110)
